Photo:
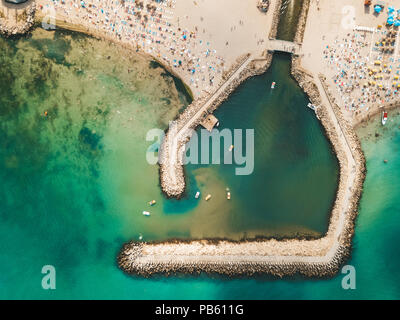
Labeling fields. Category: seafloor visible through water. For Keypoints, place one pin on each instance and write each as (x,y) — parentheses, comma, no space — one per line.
(74,181)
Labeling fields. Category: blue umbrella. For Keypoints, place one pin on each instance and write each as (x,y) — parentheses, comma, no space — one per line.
(397,23)
(391,9)
(391,16)
(390,21)
(378,9)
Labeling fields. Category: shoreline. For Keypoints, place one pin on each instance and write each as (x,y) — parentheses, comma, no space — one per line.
(312,258)
(320,257)
(69,26)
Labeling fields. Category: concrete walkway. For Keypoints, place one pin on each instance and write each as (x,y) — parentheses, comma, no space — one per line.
(283,46)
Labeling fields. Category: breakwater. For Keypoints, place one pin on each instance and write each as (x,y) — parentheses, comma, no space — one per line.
(317,258)
(172,176)
(16,19)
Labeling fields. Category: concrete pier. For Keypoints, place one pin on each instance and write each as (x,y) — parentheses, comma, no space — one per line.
(210,122)
(16,18)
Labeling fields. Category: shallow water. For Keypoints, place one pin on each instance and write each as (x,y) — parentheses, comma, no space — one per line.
(74,182)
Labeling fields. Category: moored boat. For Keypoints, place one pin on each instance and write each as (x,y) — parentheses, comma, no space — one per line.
(273,85)
(208,197)
(231,148)
(146,213)
(228,195)
(197,194)
(384,117)
(311,106)
(152,202)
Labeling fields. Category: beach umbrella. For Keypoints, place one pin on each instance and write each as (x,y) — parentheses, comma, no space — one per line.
(390,21)
(378,9)
(391,16)
(397,23)
(391,9)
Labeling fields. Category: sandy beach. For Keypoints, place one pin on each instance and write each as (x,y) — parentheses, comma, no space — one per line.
(358,52)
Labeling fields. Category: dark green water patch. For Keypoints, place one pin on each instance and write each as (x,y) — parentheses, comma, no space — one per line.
(295,175)
(288,20)
(185,96)
(55,49)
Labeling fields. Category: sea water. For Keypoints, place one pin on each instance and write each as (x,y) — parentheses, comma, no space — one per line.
(74,178)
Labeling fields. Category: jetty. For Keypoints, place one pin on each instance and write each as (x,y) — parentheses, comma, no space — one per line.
(16,16)
(284,46)
(210,122)
(318,257)
(173,147)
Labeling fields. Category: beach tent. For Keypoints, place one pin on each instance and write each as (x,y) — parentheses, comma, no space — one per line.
(378,9)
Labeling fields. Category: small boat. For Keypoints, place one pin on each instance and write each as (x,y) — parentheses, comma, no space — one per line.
(273,85)
(208,197)
(231,148)
(385,161)
(152,202)
(311,106)
(384,117)
(140,237)
(197,194)
(146,213)
(228,196)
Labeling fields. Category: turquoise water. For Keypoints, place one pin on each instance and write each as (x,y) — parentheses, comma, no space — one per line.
(72,182)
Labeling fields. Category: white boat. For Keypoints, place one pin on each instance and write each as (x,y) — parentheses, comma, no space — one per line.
(146,213)
(152,202)
(228,196)
(311,106)
(273,85)
(384,117)
(197,194)
(208,197)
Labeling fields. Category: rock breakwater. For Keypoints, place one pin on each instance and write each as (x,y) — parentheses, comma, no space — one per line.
(17,19)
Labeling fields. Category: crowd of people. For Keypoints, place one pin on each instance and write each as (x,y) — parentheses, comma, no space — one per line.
(365,67)
(148,26)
